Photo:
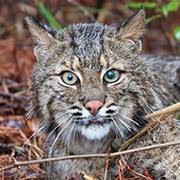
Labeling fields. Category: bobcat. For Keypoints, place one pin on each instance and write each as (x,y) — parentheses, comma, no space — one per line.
(91,89)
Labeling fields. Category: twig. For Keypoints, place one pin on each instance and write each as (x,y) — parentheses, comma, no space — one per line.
(85,156)
(163,112)
(10,146)
(135,172)
(168,110)
(106,168)
(120,170)
(9,95)
(130,141)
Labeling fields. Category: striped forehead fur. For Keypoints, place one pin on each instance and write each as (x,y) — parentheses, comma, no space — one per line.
(87,40)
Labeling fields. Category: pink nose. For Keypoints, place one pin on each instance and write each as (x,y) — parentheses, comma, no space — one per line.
(94,106)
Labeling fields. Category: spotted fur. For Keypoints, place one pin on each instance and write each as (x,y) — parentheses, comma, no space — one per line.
(89,51)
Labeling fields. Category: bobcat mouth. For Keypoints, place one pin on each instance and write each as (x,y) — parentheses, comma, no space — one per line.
(94,127)
(91,121)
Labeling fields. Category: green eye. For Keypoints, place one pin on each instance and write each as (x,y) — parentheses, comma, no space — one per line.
(69,78)
(111,76)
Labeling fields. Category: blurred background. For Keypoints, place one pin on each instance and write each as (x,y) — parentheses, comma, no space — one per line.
(16,58)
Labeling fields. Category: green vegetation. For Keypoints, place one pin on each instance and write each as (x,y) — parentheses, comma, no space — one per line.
(176,33)
(47,14)
(145,5)
(159,11)
(172,6)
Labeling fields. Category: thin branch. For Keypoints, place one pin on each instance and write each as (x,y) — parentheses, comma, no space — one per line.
(163,113)
(168,110)
(85,156)
(151,125)
(106,168)
(10,95)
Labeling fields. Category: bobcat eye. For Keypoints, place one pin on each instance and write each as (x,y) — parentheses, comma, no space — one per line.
(111,76)
(69,78)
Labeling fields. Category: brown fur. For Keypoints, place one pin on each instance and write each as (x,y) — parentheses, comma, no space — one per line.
(89,51)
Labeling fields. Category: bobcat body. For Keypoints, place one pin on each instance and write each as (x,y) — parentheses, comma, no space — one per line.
(90,91)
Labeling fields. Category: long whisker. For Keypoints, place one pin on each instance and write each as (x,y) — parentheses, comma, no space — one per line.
(125,125)
(58,125)
(116,125)
(59,134)
(137,116)
(148,109)
(68,138)
(74,132)
(34,134)
(50,152)
(125,117)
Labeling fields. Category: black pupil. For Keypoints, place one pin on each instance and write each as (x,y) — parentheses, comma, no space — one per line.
(70,77)
(110,74)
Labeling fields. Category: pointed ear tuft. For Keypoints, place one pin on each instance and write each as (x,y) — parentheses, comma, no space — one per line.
(42,37)
(134,28)
(42,34)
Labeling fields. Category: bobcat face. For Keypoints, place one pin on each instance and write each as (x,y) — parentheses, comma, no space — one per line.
(90,98)
(89,81)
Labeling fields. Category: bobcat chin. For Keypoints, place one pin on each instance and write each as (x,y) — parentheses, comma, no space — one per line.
(91,89)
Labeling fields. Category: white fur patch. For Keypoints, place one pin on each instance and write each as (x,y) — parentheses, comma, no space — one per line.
(85,113)
(102,111)
(94,131)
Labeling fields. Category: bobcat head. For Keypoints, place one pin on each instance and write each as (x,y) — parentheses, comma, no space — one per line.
(89,81)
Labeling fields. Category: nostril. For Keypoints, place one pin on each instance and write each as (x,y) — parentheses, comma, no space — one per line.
(99,108)
(94,106)
(89,109)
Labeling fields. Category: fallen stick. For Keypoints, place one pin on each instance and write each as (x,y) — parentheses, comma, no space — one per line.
(10,95)
(165,111)
(85,156)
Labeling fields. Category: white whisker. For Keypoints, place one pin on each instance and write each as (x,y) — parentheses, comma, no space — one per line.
(116,125)
(125,125)
(59,134)
(58,125)
(68,138)
(34,134)
(125,117)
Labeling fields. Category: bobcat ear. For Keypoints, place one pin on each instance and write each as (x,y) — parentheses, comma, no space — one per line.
(134,28)
(43,37)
